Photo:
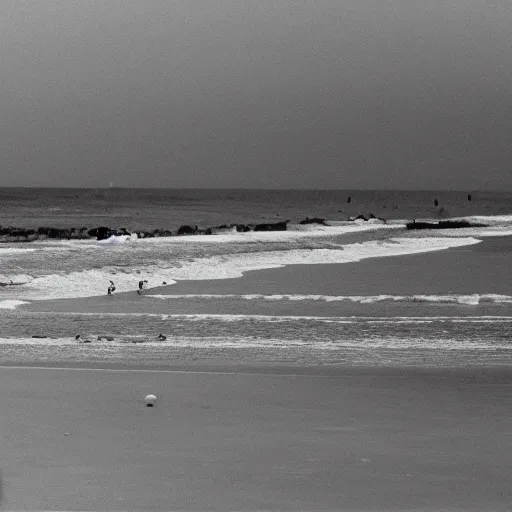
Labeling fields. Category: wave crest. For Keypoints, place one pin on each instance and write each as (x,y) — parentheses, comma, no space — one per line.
(471,299)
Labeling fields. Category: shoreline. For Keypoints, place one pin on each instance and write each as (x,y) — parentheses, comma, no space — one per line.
(272,369)
(303,358)
(481,268)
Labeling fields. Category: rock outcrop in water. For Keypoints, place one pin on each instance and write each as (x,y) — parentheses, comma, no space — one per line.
(314,220)
(159,232)
(228,228)
(187,230)
(103,232)
(276,226)
(222,230)
(14,234)
(445,224)
(369,217)
(17,234)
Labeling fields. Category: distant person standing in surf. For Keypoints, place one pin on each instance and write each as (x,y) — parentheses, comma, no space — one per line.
(141,286)
(111,288)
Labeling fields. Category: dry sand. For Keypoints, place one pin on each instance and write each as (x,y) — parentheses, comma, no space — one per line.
(400,440)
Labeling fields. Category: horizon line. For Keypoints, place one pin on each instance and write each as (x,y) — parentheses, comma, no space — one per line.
(258,189)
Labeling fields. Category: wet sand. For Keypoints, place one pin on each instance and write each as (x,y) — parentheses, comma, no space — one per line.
(365,440)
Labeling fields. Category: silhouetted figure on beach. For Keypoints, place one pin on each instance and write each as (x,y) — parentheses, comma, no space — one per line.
(436,202)
(141,286)
(161,337)
(469,197)
(349,199)
(111,288)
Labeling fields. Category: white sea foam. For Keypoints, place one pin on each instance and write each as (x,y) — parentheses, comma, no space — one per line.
(293,232)
(497,225)
(489,219)
(14,279)
(472,299)
(93,282)
(11,304)
(235,318)
(495,232)
(4,251)
(37,341)
(491,231)
(110,348)
(115,240)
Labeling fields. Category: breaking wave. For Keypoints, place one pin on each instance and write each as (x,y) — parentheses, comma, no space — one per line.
(11,304)
(167,268)
(472,299)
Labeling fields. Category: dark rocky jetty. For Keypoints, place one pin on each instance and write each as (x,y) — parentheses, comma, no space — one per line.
(11,234)
(371,216)
(158,232)
(314,220)
(445,224)
(359,217)
(187,230)
(60,233)
(228,228)
(15,234)
(276,226)
(367,218)
(103,232)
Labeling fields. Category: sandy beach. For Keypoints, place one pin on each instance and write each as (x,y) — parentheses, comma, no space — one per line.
(369,440)
(262,428)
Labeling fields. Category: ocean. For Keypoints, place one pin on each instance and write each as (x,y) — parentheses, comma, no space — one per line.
(138,209)
(315,322)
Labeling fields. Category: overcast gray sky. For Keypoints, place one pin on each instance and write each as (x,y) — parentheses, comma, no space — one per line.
(256,93)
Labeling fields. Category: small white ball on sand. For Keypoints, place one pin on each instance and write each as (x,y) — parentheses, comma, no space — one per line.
(150,400)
